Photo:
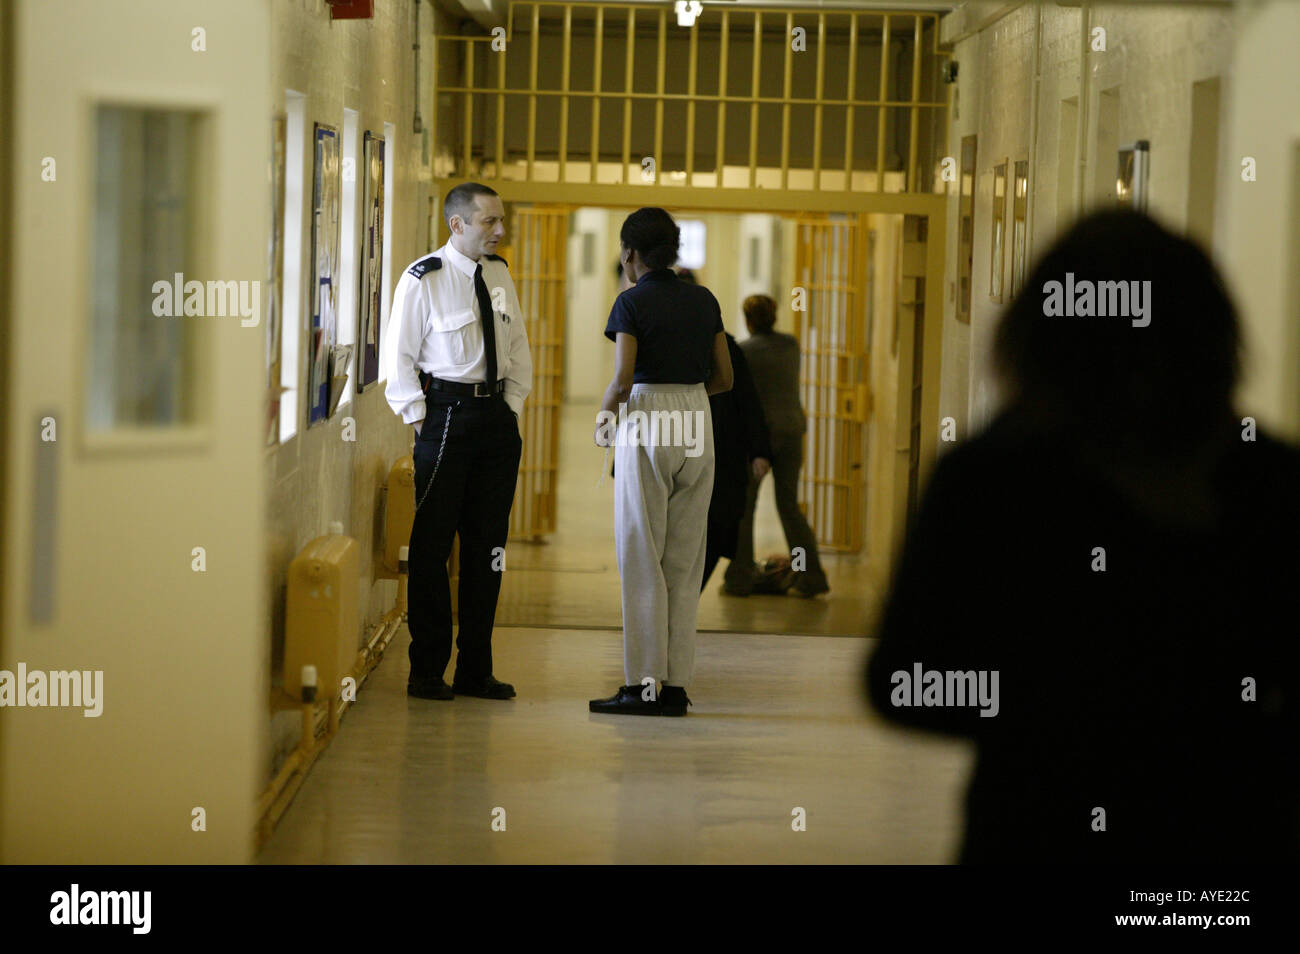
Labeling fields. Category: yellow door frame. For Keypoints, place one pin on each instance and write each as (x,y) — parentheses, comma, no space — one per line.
(933,207)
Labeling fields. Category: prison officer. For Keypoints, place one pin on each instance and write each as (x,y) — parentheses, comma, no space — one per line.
(458,368)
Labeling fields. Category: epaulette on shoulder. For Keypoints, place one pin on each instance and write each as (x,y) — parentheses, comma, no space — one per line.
(498,258)
(430,263)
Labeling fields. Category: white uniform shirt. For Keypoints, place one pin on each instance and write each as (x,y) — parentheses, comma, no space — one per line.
(435,327)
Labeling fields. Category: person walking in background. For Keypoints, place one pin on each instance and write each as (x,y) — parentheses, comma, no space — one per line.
(671,354)
(773,359)
(1110,570)
(458,370)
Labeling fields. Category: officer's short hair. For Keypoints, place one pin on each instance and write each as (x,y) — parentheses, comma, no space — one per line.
(461,201)
(760,312)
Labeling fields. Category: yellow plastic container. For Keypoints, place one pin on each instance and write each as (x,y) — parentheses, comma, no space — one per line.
(399,510)
(322,616)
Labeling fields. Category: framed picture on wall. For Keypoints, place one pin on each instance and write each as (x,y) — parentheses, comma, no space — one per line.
(965,228)
(1019,241)
(372,260)
(324,272)
(275,279)
(996,254)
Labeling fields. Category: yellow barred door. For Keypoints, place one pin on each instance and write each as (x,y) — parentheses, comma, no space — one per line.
(538,240)
(830,278)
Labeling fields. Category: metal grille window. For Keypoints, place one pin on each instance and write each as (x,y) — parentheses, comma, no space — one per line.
(746,98)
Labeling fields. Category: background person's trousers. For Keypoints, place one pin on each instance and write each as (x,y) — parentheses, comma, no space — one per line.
(787,459)
(471,496)
(661,509)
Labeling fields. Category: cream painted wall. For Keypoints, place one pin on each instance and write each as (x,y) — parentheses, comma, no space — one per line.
(882,435)
(589,355)
(1257,231)
(1153,57)
(317,476)
(721,271)
(758,243)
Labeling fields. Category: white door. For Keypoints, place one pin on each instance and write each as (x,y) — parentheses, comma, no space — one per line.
(133,523)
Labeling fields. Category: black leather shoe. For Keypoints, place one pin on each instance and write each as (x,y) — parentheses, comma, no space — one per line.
(485,688)
(627,701)
(673,700)
(429,689)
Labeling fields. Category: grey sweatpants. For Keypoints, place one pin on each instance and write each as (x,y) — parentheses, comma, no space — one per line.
(663,480)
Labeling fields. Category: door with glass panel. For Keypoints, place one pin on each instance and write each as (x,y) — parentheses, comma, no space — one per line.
(134,568)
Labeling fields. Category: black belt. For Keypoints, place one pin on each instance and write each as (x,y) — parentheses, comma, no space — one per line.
(477,389)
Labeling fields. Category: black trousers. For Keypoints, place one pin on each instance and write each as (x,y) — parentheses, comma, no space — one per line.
(471,496)
(720,542)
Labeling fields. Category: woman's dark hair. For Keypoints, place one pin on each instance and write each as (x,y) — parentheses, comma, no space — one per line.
(760,313)
(1161,372)
(653,235)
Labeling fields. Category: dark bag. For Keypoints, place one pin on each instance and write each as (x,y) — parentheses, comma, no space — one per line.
(773,575)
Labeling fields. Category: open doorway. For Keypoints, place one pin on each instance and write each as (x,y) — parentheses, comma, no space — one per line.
(836,282)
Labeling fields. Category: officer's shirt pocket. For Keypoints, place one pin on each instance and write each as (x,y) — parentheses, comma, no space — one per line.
(456,336)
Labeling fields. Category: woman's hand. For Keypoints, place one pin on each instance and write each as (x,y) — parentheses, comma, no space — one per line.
(619,390)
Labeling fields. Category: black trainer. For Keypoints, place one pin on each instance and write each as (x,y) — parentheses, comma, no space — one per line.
(627,701)
(433,688)
(485,688)
(673,700)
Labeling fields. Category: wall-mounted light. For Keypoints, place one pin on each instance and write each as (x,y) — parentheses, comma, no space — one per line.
(687,11)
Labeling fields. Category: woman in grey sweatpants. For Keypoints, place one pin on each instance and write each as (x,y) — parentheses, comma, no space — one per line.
(671,354)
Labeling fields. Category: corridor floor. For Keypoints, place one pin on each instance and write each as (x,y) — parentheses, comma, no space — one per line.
(569,580)
(778,724)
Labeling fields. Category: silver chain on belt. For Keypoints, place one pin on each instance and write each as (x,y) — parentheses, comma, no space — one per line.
(441,447)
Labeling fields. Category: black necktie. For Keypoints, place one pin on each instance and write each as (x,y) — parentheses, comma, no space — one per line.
(489,326)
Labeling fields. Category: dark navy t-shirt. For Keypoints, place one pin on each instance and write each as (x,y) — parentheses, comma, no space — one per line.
(674,323)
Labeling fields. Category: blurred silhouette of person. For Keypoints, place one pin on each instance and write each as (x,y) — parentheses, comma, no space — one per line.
(742,453)
(670,356)
(773,359)
(1120,548)
(741,449)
